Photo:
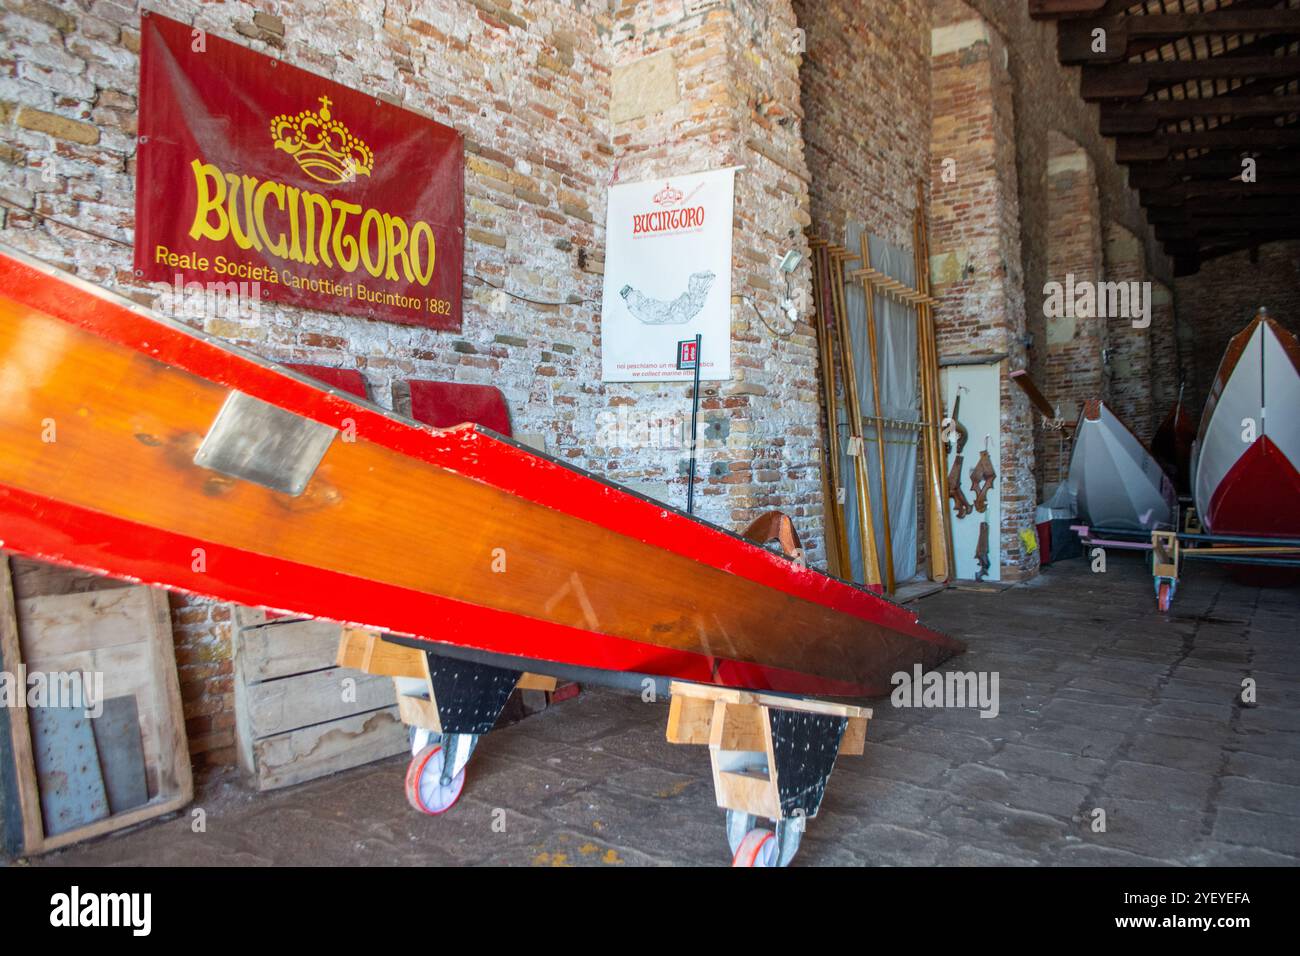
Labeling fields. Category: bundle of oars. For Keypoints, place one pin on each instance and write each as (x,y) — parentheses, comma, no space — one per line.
(835,348)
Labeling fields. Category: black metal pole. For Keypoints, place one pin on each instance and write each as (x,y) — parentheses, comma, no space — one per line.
(695,414)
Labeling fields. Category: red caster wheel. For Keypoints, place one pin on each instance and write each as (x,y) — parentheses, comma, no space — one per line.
(758,848)
(424,787)
(1164,595)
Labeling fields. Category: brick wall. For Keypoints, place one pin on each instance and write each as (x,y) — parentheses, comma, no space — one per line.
(866,95)
(975,240)
(1129,372)
(1070,353)
(694,91)
(1217,302)
(1166,373)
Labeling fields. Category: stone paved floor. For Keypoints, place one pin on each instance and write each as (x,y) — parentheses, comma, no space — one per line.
(1104,704)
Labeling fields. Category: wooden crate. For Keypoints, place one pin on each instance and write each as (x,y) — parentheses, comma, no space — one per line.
(300,716)
(123,632)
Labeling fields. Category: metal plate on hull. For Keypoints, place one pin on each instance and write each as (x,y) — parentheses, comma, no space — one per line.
(262,443)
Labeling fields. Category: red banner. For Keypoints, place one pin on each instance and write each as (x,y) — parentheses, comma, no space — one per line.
(252,171)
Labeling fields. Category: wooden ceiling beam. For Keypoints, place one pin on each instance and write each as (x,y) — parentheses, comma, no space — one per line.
(1195,210)
(1190,194)
(1208,169)
(1053,9)
(1135,80)
(1230,226)
(1156,147)
(1122,34)
(1121,118)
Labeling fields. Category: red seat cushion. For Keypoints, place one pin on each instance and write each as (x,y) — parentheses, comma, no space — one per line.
(444,404)
(344,379)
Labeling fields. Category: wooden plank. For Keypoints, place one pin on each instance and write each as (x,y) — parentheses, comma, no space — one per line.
(279,706)
(419,712)
(29,799)
(56,626)
(311,752)
(737,696)
(246,616)
(244,737)
(854,740)
(1022,378)
(174,771)
(529,681)
(743,727)
(689,719)
(367,651)
(281,650)
(157,807)
(38,578)
(159,702)
(749,792)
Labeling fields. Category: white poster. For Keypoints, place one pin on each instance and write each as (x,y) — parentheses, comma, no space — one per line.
(667,277)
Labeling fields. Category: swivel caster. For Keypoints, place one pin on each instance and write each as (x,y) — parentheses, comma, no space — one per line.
(426,790)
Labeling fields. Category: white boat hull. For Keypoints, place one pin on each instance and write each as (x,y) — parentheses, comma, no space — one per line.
(1115,482)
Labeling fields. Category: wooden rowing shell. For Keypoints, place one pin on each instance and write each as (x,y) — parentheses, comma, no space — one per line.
(1115,481)
(1245,478)
(137,447)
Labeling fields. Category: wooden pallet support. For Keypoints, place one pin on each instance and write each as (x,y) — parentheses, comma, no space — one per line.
(771,756)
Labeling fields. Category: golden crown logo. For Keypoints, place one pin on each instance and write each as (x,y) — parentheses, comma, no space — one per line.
(667,196)
(322,147)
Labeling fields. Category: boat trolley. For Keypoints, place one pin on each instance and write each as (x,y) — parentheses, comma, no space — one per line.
(771,755)
(1169,549)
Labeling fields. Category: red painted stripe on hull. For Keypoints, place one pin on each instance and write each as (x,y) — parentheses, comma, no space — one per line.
(52,531)
(1260,495)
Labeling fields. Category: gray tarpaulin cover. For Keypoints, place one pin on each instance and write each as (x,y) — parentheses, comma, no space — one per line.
(897,361)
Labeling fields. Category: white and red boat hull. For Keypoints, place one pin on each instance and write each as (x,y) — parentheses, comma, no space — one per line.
(1246,480)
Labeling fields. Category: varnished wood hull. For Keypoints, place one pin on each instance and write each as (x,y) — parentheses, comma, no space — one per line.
(455,536)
